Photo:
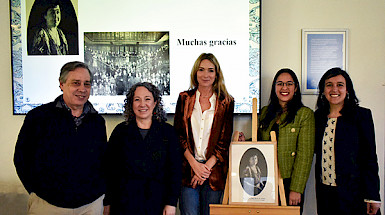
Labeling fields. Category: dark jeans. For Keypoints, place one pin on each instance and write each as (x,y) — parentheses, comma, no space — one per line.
(196,201)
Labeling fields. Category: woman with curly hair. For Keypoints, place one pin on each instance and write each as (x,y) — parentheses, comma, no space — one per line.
(144,160)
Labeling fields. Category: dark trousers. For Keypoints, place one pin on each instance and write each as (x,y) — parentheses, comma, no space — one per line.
(286,184)
(331,202)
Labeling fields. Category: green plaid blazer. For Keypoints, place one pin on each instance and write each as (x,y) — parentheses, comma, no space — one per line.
(295,146)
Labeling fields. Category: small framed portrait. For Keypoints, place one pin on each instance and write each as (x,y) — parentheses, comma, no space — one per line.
(253,173)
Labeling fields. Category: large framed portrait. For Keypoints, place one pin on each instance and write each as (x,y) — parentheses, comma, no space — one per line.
(253,173)
(322,49)
(125,42)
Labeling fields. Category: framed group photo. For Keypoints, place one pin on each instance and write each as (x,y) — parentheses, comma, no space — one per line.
(253,173)
(322,49)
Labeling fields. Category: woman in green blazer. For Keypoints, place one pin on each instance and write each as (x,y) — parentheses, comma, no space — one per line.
(294,126)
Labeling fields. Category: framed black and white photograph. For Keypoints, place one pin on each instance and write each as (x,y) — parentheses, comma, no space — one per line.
(125,42)
(129,58)
(253,173)
(322,49)
(52,28)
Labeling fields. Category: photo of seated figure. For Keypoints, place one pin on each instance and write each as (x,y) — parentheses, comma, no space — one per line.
(253,172)
(52,28)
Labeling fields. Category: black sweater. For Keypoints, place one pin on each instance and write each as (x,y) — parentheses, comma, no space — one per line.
(144,174)
(61,162)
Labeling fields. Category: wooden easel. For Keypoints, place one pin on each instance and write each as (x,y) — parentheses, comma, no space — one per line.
(225,208)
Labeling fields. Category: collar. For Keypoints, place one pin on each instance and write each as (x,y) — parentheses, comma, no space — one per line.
(213,99)
(88,108)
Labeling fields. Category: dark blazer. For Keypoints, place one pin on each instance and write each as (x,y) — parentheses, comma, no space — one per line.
(144,175)
(355,159)
(219,141)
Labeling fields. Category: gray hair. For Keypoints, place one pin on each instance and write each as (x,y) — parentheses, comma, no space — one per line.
(71,66)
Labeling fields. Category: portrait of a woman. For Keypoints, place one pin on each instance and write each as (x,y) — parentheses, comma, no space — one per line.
(251,177)
(52,28)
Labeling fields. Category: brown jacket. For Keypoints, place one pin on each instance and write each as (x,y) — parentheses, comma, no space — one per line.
(219,141)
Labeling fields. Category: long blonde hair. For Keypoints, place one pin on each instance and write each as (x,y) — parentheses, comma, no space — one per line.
(219,83)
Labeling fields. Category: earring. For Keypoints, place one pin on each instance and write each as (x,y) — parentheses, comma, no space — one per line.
(347,95)
(323,98)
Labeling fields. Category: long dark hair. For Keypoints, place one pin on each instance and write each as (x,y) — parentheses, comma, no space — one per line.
(158,114)
(274,108)
(351,100)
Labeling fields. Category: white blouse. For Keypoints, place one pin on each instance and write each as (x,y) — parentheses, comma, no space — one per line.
(201,124)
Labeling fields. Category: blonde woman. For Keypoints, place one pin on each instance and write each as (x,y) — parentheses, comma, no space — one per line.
(204,123)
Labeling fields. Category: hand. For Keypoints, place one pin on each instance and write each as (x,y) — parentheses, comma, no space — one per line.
(211,162)
(372,207)
(201,170)
(294,198)
(169,210)
(196,181)
(106,210)
(241,137)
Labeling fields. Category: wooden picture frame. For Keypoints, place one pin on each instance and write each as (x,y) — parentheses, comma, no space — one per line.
(322,49)
(249,184)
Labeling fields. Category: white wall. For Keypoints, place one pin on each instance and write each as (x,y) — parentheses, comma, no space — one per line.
(282,21)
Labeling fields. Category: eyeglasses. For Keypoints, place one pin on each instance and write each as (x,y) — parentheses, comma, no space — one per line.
(281,84)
